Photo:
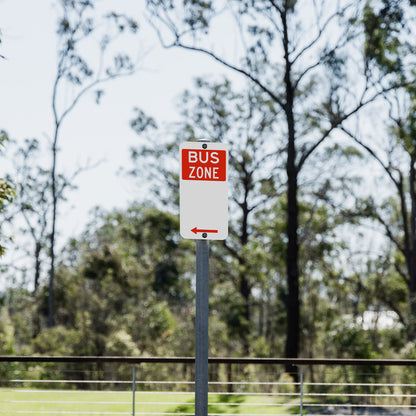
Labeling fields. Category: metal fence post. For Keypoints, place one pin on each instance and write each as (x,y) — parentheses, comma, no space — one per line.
(134,391)
(301,391)
(201,328)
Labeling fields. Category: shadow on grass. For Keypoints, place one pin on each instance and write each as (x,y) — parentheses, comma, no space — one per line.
(295,410)
(219,405)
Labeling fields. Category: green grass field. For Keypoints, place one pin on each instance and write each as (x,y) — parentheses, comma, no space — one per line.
(50,402)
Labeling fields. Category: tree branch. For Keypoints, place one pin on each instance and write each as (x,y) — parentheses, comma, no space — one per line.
(319,35)
(337,122)
(178,44)
(372,153)
(397,183)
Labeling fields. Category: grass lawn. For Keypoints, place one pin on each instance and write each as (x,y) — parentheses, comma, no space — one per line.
(74,402)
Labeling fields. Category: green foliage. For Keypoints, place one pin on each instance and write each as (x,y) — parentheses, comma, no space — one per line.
(390,43)
(196,13)
(7,191)
(351,340)
(19,309)
(77,23)
(6,333)
(116,294)
(125,288)
(60,340)
(7,342)
(141,122)
(382,31)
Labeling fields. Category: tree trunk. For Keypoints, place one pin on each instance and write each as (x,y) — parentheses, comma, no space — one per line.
(38,248)
(245,292)
(292,253)
(36,317)
(51,317)
(244,284)
(411,261)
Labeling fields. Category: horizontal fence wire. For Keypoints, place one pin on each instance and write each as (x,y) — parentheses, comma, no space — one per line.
(143,403)
(360,384)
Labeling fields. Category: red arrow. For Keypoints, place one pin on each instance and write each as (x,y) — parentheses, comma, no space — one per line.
(196,230)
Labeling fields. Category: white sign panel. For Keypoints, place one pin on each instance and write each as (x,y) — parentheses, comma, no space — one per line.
(203,189)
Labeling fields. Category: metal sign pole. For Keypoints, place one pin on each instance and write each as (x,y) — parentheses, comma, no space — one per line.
(201,328)
(134,391)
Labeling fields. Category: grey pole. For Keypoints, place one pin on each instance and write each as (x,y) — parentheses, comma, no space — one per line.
(301,392)
(134,391)
(201,328)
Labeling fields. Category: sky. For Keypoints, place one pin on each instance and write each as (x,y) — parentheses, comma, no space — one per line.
(92,133)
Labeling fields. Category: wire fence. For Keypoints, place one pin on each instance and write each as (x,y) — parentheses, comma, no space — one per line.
(165,386)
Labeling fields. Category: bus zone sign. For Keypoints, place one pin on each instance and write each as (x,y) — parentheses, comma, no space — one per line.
(203,189)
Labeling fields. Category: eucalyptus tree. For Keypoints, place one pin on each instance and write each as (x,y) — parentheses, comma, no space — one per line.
(303,55)
(30,214)
(389,57)
(81,73)
(33,204)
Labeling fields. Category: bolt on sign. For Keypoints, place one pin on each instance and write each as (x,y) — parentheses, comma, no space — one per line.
(203,189)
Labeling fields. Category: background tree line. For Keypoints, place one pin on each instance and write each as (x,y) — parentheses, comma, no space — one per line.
(322,192)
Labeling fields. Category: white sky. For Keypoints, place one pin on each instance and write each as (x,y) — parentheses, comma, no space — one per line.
(91,133)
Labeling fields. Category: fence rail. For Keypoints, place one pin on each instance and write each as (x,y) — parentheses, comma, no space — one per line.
(211,360)
(153,386)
